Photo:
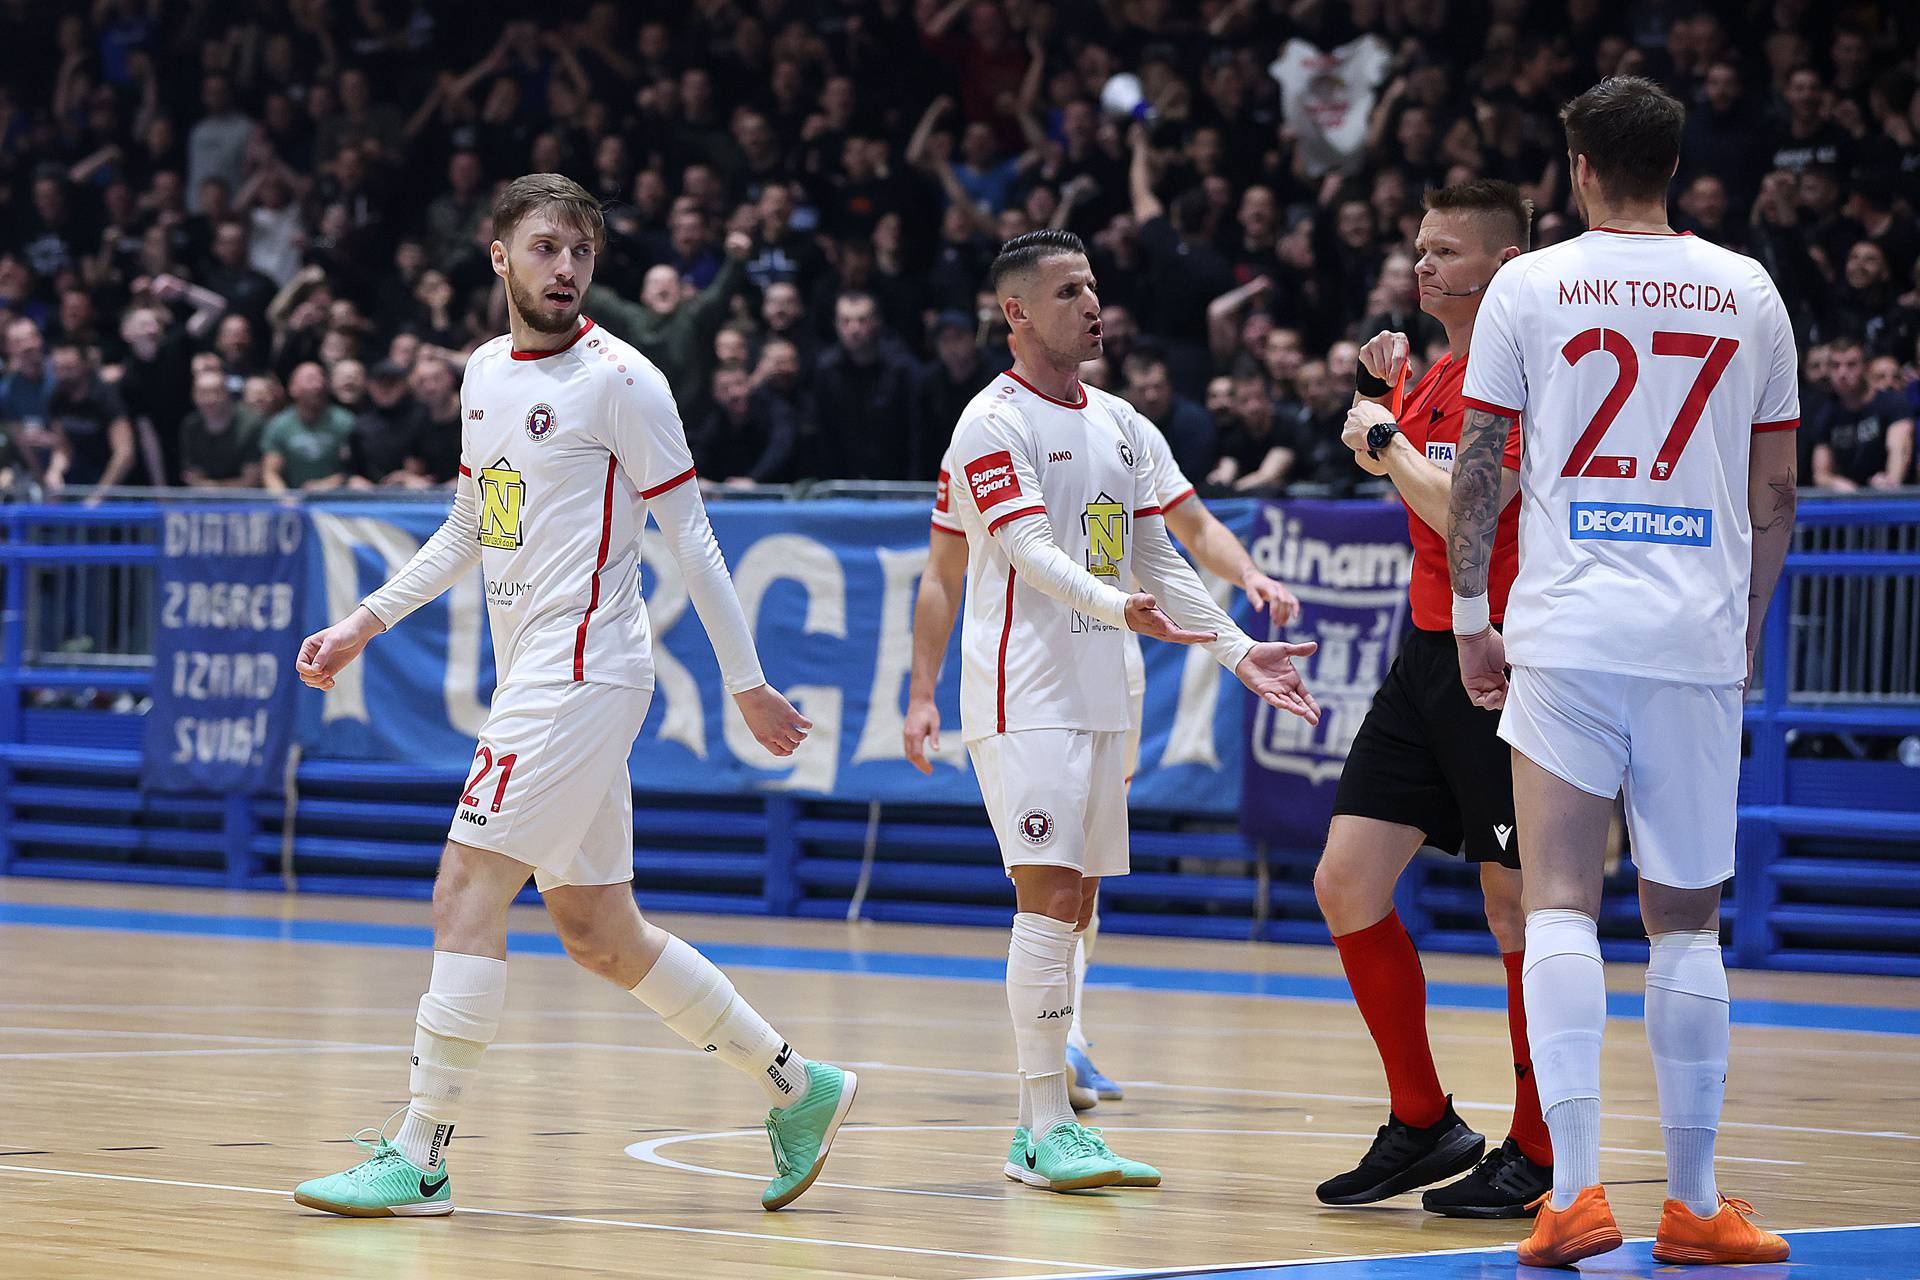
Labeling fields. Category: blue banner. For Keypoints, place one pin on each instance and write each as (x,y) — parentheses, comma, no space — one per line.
(231,593)
(829,589)
(1350,563)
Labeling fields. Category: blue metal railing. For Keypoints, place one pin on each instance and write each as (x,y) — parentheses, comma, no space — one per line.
(1829,818)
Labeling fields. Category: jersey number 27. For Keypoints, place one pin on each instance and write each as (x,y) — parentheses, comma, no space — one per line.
(1714,353)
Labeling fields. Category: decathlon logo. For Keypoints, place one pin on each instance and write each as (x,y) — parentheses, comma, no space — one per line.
(1630,522)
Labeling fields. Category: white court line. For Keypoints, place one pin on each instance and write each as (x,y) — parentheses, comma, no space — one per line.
(1824,1052)
(283,1041)
(1228,1268)
(648,1152)
(970,1073)
(1084,1267)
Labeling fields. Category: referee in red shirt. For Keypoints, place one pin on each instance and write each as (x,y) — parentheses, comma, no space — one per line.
(1428,767)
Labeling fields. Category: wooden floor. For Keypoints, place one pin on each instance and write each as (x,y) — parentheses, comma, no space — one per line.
(162,1088)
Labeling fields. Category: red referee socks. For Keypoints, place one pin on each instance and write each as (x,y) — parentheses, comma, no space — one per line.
(1529,1129)
(1391,989)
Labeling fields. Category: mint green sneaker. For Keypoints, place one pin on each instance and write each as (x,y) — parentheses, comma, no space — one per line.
(802,1132)
(1018,1167)
(1133,1173)
(1069,1159)
(384,1185)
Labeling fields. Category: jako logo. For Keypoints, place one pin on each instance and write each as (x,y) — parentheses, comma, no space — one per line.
(477,819)
(1060,455)
(1631,522)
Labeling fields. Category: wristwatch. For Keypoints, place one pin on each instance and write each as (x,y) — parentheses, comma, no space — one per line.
(1379,436)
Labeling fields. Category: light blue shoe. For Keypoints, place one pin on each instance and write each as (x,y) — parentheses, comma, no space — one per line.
(1087,1076)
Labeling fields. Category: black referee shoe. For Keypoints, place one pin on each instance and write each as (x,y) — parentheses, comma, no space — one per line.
(1403,1157)
(1504,1185)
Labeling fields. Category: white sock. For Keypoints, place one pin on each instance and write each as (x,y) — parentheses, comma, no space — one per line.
(699,1005)
(1687,1030)
(1566,997)
(458,1018)
(1040,1000)
(1082,957)
(1026,1106)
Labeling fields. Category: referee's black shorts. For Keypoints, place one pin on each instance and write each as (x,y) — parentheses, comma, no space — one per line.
(1426,757)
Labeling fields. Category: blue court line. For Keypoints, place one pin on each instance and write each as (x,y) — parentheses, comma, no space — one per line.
(1876,1019)
(1860,1253)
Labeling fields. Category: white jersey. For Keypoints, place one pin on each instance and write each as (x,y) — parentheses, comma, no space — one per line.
(559,453)
(1030,661)
(1170,487)
(1640,367)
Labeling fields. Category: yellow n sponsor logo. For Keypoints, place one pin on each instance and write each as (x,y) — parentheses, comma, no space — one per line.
(502,495)
(1105,524)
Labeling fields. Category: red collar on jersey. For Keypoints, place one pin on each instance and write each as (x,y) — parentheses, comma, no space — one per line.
(586,324)
(1064,404)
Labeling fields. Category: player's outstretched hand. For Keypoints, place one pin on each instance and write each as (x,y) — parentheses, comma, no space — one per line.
(1268,670)
(1264,592)
(1483,668)
(1144,616)
(922,733)
(775,724)
(325,654)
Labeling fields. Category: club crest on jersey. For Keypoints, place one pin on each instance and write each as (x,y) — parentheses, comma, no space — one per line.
(1105,524)
(1036,826)
(502,496)
(1126,454)
(539,422)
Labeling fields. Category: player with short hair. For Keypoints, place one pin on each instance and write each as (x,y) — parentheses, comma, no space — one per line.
(1654,378)
(937,607)
(1427,766)
(1053,490)
(570,438)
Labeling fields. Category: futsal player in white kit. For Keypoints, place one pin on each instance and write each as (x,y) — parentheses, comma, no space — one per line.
(937,607)
(1654,376)
(570,438)
(1052,489)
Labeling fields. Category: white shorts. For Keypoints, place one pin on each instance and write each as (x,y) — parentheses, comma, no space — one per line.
(1056,797)
(1673,750)
(549,784)
(1136,667)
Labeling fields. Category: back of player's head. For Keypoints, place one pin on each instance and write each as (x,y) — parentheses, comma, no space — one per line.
(553,194)
(1019,256)
(1629,130)
(1502,210)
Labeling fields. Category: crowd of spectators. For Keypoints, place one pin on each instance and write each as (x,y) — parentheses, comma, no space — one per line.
(245,242)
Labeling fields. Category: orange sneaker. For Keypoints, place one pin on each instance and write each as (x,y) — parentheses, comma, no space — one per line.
(1727,1236)
(1562,1237)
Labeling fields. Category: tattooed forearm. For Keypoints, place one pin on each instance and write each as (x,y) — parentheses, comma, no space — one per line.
(1473,509)
(1785,502)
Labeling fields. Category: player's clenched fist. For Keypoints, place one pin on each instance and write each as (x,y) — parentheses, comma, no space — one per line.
(1268,670)
(774,722)
(325,654)
(1483,668)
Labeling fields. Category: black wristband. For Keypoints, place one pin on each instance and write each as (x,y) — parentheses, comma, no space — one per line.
(1366,384)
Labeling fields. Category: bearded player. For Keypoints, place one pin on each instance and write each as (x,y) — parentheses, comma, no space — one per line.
(1655,381)
(1052,489)
(570,438)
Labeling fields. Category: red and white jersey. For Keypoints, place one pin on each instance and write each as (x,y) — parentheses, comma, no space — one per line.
(1641,366)
(1169,484)
(1030,661)
(562,449)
